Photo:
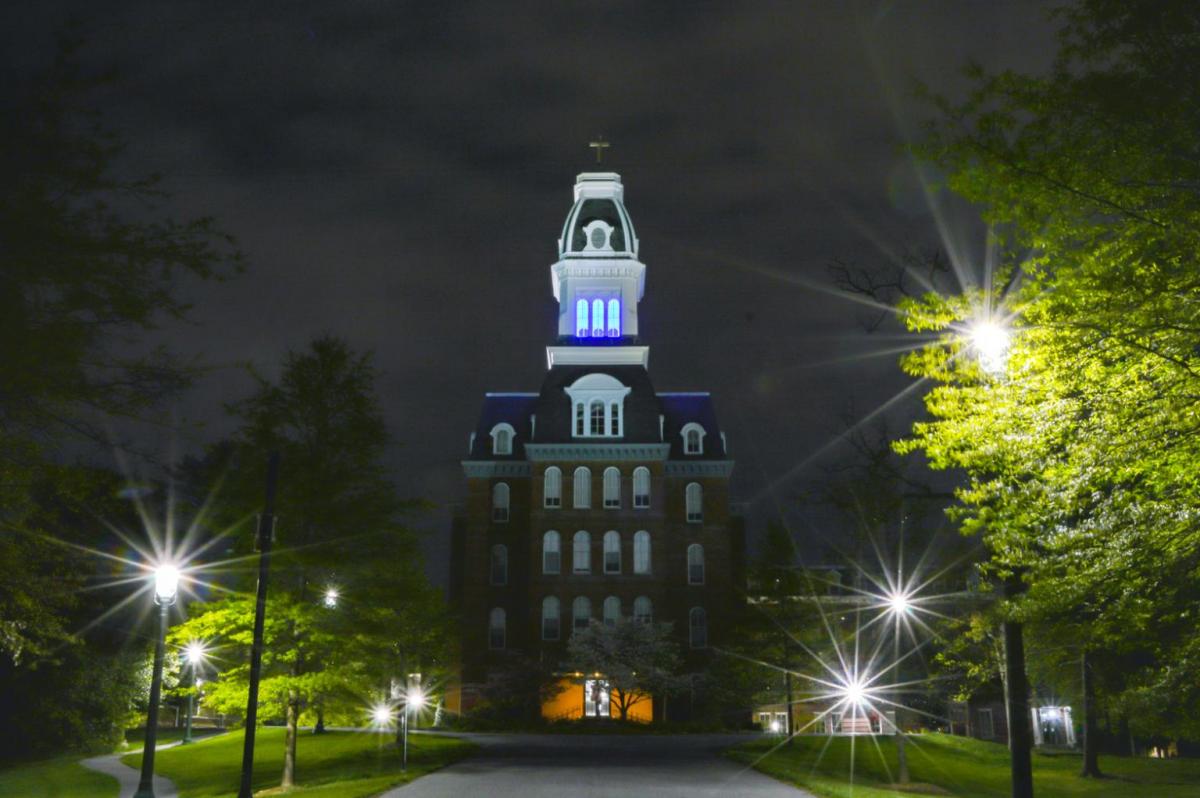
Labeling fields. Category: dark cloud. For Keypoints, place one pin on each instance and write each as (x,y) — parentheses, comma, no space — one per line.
(399,173)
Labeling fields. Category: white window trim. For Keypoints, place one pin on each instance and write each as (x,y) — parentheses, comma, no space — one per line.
(558,537)
(501,510)
(576,494)
(683,433)
(512,437)
(597,387)
(608,602)
(611,502)
(650,617)
(546,494)
(646,471)
(575,569)
(649,569)
(609,535)
(699,519)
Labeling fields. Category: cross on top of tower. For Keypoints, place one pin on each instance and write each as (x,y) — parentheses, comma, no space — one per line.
(599,145)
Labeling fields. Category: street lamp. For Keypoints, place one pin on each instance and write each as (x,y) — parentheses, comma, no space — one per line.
(990,342)
(331,597)
(193,655)
(414,700)
(166,587)
(899,604)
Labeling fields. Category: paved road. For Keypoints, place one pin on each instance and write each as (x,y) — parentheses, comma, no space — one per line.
(128,777)
(598,766)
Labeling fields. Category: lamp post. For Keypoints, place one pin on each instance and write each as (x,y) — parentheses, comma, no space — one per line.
(166,586)
(899,604)
(414,699)
(193,655)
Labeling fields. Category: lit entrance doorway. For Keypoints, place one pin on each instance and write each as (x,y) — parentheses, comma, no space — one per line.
(595,699)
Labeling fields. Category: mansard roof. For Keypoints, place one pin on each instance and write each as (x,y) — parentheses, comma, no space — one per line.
(642,408)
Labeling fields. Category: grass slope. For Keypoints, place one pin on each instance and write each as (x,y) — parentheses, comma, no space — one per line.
(331,765)
(62,777)
(957,766)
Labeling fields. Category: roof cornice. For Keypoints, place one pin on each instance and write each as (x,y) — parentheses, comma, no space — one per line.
(641,452)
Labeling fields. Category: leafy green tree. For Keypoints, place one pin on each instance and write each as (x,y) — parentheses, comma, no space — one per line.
(639,660)
(1080,456)
(340,525)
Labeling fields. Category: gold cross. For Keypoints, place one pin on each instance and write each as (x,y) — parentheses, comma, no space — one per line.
(599,145)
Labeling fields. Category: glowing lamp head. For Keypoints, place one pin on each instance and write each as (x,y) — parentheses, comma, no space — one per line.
(166,583)
(899,603)
(416,699)
(853,692)
(194,652)
(381,714)
(990,342)
(331,597)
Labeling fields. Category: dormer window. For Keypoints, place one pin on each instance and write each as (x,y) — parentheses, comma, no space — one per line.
(502,438)
(597,401)
(693,438)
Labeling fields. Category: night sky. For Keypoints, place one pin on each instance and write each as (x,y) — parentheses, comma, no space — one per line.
(398,174)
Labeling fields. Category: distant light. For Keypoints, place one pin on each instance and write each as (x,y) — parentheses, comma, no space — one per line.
(853,692)
(195,652)
(775,727)
(990,342)
(899,602)
(415,699)
(331,597)
(382,714)
(199,682)
(166,583)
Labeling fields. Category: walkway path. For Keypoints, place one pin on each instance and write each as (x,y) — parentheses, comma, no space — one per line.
(112,765)
(598,766)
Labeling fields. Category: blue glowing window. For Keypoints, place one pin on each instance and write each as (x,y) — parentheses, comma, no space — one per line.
(598,318)
(582,330)
(614,318)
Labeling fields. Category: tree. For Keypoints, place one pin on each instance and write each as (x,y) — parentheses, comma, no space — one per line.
(341,525)
(1079,456)
(639,660)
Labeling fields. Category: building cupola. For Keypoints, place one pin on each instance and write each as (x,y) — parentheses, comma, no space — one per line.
(598,224)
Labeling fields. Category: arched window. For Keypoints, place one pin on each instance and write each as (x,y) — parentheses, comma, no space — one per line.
(698,628)
(641,552)
(582,495)
(502,438)
(500,502)
(550,618)
(551,553)
(641,488)
(694,498)
(582,328)
(552,487)
(612,552)
(695,557)
(597,318)
(643,610)
(596,415)
(614,419)
(693,438)
(612,487)
(496,628)
(499,568)
(581,613)
(614,318)
(612,610)
(581,553)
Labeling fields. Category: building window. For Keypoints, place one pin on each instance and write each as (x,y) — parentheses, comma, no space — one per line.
(552,487)
(641,552)
(693,438)
(581,553)
(496,628)
(612,488)
(582,329)
(500,502)
(612,610)
(579,428)
(582,494)
(597,318)
(697,628)
(581,613)
(502,438)
(641,488)
(614,318)
(596,413)
(596,401)
(643,610)
(499,565)
(614,420)
(612,552)
(551,553)
(550,618)
(695,560)
(694,498)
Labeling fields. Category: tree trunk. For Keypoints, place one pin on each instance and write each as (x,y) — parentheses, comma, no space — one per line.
(1091,749)
(289,741)
(319,727)
(1016,702)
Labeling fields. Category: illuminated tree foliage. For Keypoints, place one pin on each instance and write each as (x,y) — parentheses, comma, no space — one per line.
(639,660)
(340,524)
(1081,456)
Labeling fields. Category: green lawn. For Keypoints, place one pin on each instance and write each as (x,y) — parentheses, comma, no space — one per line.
(331,765)
(62,777)
(958,766)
